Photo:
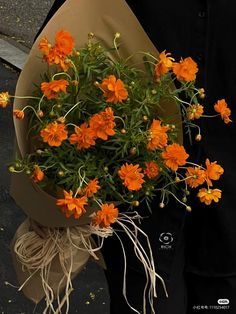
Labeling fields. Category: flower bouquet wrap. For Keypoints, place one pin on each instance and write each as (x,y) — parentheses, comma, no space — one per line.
(98,125)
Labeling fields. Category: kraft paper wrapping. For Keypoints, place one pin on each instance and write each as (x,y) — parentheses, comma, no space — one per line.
(33,289)
(104,18)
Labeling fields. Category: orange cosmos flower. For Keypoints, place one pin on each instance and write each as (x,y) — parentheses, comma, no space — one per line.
(213,171)
(72,205)
(91,188)
(164,65)
(152,169)
(222,108)
(4,99)
(195,176)
(52,89)
(19,114)
(106,216)
(56,57)
(194,111)
(185,70)
(54,134)
(157,135)
(44,46)
(103,123)
(64,42)
(84,136)
(113,90)
(131,176)
(37,175)
(174,156)
(207,196)
(58,53)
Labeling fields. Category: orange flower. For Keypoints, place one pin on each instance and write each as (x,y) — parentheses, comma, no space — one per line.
(207,196)
(131,176)
(164,65)
(113,90)
(64,42)
(37,175)
(174,156)
(44,45)
(56,57)
(103,124)
(213,171)
(58,53)
(157,135)
(106,216)
(52,89)
(185,70)
(195,176)
(152,169)
(91,188)
(4,99)
(72,205)
(19,114)
(54,134)
(84,136)
(194,111)
(222,108)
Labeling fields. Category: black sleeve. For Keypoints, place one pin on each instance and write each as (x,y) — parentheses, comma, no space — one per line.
(56,5)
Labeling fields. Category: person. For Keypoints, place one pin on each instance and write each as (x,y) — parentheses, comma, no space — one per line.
(199,265)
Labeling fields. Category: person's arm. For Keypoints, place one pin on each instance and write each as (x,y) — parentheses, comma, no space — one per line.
(56,5)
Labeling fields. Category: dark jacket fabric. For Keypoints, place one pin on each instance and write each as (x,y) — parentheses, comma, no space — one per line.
(204,30)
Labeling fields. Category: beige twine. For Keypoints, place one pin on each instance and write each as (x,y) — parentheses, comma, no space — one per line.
(36,254)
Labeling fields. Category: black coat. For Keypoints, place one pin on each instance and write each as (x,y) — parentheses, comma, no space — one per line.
(204,30)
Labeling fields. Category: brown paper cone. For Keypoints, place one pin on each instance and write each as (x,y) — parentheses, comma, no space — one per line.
(104,18)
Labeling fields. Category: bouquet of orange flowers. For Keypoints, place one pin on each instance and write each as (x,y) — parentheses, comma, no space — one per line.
(98,134)
(99,137)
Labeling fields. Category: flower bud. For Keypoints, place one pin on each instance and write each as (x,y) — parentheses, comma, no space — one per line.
(60,173)
(117,35)
(11,169)
(177,179)
(40,113)
(201,92)
(133,151)
(188,208)
(90,35)
(52,114)
(123,131)
(61,119)
(198,137)
(135,203)
(145,118)
(161,205)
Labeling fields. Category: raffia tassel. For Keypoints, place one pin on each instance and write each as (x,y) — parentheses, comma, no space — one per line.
(53,261)
(126,221)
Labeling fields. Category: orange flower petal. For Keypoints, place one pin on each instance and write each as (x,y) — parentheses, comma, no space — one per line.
(106,216)
(174,156)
